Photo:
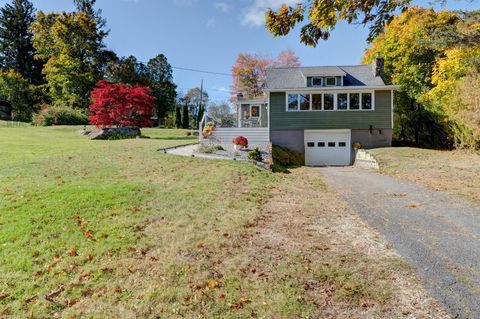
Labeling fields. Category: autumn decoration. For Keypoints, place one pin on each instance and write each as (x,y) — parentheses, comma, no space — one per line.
(240,142)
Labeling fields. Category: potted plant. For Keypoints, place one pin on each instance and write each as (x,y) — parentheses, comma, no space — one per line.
(357,146)
(240,142)
(208,130)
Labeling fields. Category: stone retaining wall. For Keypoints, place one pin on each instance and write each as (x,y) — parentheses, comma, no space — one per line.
(364,159)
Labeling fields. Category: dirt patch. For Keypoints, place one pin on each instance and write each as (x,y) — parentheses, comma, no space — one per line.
(348,270)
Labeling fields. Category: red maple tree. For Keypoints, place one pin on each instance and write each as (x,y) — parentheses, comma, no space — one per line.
(121,105)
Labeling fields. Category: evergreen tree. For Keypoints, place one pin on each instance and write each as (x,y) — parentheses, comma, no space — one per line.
(178,117)
(185,117)
(165,91)
(16,40)
(101,57)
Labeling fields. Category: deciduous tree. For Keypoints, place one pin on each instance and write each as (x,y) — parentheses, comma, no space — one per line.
(197,102)
(69,42)
(249,72)
(19,93)
(121,105)
(324,15)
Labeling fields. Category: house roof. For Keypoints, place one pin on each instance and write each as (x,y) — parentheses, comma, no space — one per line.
(295,78)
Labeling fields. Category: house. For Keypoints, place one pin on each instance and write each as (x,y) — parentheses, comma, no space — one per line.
(319,111)
(5,111)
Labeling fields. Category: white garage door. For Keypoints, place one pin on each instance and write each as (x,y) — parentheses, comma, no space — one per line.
(327,147)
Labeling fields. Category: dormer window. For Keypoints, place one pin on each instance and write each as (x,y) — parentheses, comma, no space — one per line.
(331,81)
(317,81)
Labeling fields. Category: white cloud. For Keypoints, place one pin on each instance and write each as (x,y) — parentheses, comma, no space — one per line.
(211,23)
(254,15)
(222,6)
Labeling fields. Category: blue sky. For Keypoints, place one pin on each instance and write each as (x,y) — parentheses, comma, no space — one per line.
(208,35)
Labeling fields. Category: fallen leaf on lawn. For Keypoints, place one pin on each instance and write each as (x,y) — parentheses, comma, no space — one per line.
(321,247)
(89,234)
(212,284)
(35,254)
(71,302)
(57,256)
(72,252)
(226,235)
(53,294)
(107,270)
(89,257)
(222,296)
(118,290)
(412,205)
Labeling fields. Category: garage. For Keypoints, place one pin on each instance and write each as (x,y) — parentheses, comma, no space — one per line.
(327,147)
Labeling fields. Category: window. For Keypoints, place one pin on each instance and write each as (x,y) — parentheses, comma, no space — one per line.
(331,81)
(366,101)
(255,111)
(316,102)
(342,144)
(317,81)
(293,102)
(321,144)
(342,101)
(354,101)
(331,144)
(310,144)
(328,101)
(304,102)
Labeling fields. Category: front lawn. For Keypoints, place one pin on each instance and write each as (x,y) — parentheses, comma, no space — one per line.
(456,172)
(103,229)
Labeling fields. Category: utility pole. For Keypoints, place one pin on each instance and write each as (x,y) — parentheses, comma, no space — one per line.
(200,107)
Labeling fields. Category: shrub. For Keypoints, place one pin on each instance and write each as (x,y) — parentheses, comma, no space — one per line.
(60,115)
(169,122)
(255,155)
(284,157)
(240,140)
(209,149)
(121,105)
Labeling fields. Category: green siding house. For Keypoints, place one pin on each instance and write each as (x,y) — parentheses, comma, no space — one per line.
(320,111)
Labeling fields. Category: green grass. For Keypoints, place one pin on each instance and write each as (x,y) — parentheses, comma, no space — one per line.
(103,229)
(455,172)
(74,211)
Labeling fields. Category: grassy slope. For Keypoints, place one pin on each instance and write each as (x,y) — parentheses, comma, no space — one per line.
(102,229)
(455,172)
(65,200)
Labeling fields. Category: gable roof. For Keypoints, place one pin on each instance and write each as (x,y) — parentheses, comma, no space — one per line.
(295,78)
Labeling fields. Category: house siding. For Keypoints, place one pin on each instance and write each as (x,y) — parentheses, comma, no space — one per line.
(380,118)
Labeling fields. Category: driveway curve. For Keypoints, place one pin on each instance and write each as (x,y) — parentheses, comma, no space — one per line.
(437,233)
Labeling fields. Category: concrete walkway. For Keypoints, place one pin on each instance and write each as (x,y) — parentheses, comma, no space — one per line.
(438,234)
(191,150)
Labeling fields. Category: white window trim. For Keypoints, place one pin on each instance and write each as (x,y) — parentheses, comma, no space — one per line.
(321,81)
(330,77)
(335,101)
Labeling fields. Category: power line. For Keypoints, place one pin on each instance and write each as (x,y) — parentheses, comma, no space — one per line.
(200,71)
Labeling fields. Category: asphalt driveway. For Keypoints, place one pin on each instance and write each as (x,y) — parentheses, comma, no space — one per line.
(437,233)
